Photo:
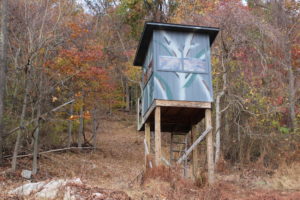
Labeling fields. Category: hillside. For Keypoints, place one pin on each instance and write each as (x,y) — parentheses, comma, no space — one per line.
(73,72)
(118,161)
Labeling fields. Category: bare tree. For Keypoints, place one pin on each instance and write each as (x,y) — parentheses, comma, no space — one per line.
(3,69)
(218,109)
(41,34)
(36,140)
(22,119)
(95,125)
(70,125)
(236,24)
(81,123)
(288,23)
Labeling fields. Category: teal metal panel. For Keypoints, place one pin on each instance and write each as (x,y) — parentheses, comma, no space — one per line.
(182,66)
(148,95)
(182,86)
(148,87)
(150,27)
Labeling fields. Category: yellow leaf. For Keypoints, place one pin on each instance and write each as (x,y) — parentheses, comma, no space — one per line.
(54,98)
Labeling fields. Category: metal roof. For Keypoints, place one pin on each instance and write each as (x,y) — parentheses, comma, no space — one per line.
(148,32)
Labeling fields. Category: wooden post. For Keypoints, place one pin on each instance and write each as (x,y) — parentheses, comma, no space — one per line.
(147,137)
(210,150)
(194,134)
(157,136)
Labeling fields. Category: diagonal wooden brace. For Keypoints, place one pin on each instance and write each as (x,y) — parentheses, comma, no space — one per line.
(147,152)
(200,138)
(165,161)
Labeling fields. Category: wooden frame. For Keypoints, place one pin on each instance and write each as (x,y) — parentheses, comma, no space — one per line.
(182,104)
(157,106)
(168,103)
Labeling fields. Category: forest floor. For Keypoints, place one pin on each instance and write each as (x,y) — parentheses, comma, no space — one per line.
(118,162)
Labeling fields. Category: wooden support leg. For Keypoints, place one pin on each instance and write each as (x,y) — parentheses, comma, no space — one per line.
(210,150)
(171,150)
(195,135)
(157,137)
(147,137)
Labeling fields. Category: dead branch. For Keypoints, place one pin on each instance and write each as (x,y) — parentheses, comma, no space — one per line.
(50,151)
(43,116)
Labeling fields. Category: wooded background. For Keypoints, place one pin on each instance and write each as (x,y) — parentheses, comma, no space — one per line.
(66,65)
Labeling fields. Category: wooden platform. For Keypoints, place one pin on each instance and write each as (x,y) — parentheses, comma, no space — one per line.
(176,116)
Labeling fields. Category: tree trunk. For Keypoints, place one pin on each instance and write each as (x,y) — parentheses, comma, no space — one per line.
(80,131)
(218,113)
(95,127)
(37,123)
(70,127)
(20,131)
(131,95)
(227,137)
(36,139)
(292,89)
(3,70)
(127,108)
(218,126)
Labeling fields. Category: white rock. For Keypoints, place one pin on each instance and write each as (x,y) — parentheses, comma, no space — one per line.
(45,190)
(26,174)
(75,181)
(28,188)
(97,195)
(51,189)
(70,195)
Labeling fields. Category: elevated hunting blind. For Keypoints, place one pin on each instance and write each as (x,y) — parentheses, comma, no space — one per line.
(176,78)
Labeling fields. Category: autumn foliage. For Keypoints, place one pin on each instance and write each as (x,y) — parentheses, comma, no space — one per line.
(63,50)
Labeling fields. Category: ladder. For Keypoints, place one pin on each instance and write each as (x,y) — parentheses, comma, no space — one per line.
(179,145)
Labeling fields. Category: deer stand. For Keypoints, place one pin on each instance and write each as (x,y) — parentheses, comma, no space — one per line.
(176,92)
(180,151)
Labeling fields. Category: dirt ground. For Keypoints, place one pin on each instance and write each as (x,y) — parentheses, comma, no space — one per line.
(117,164)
